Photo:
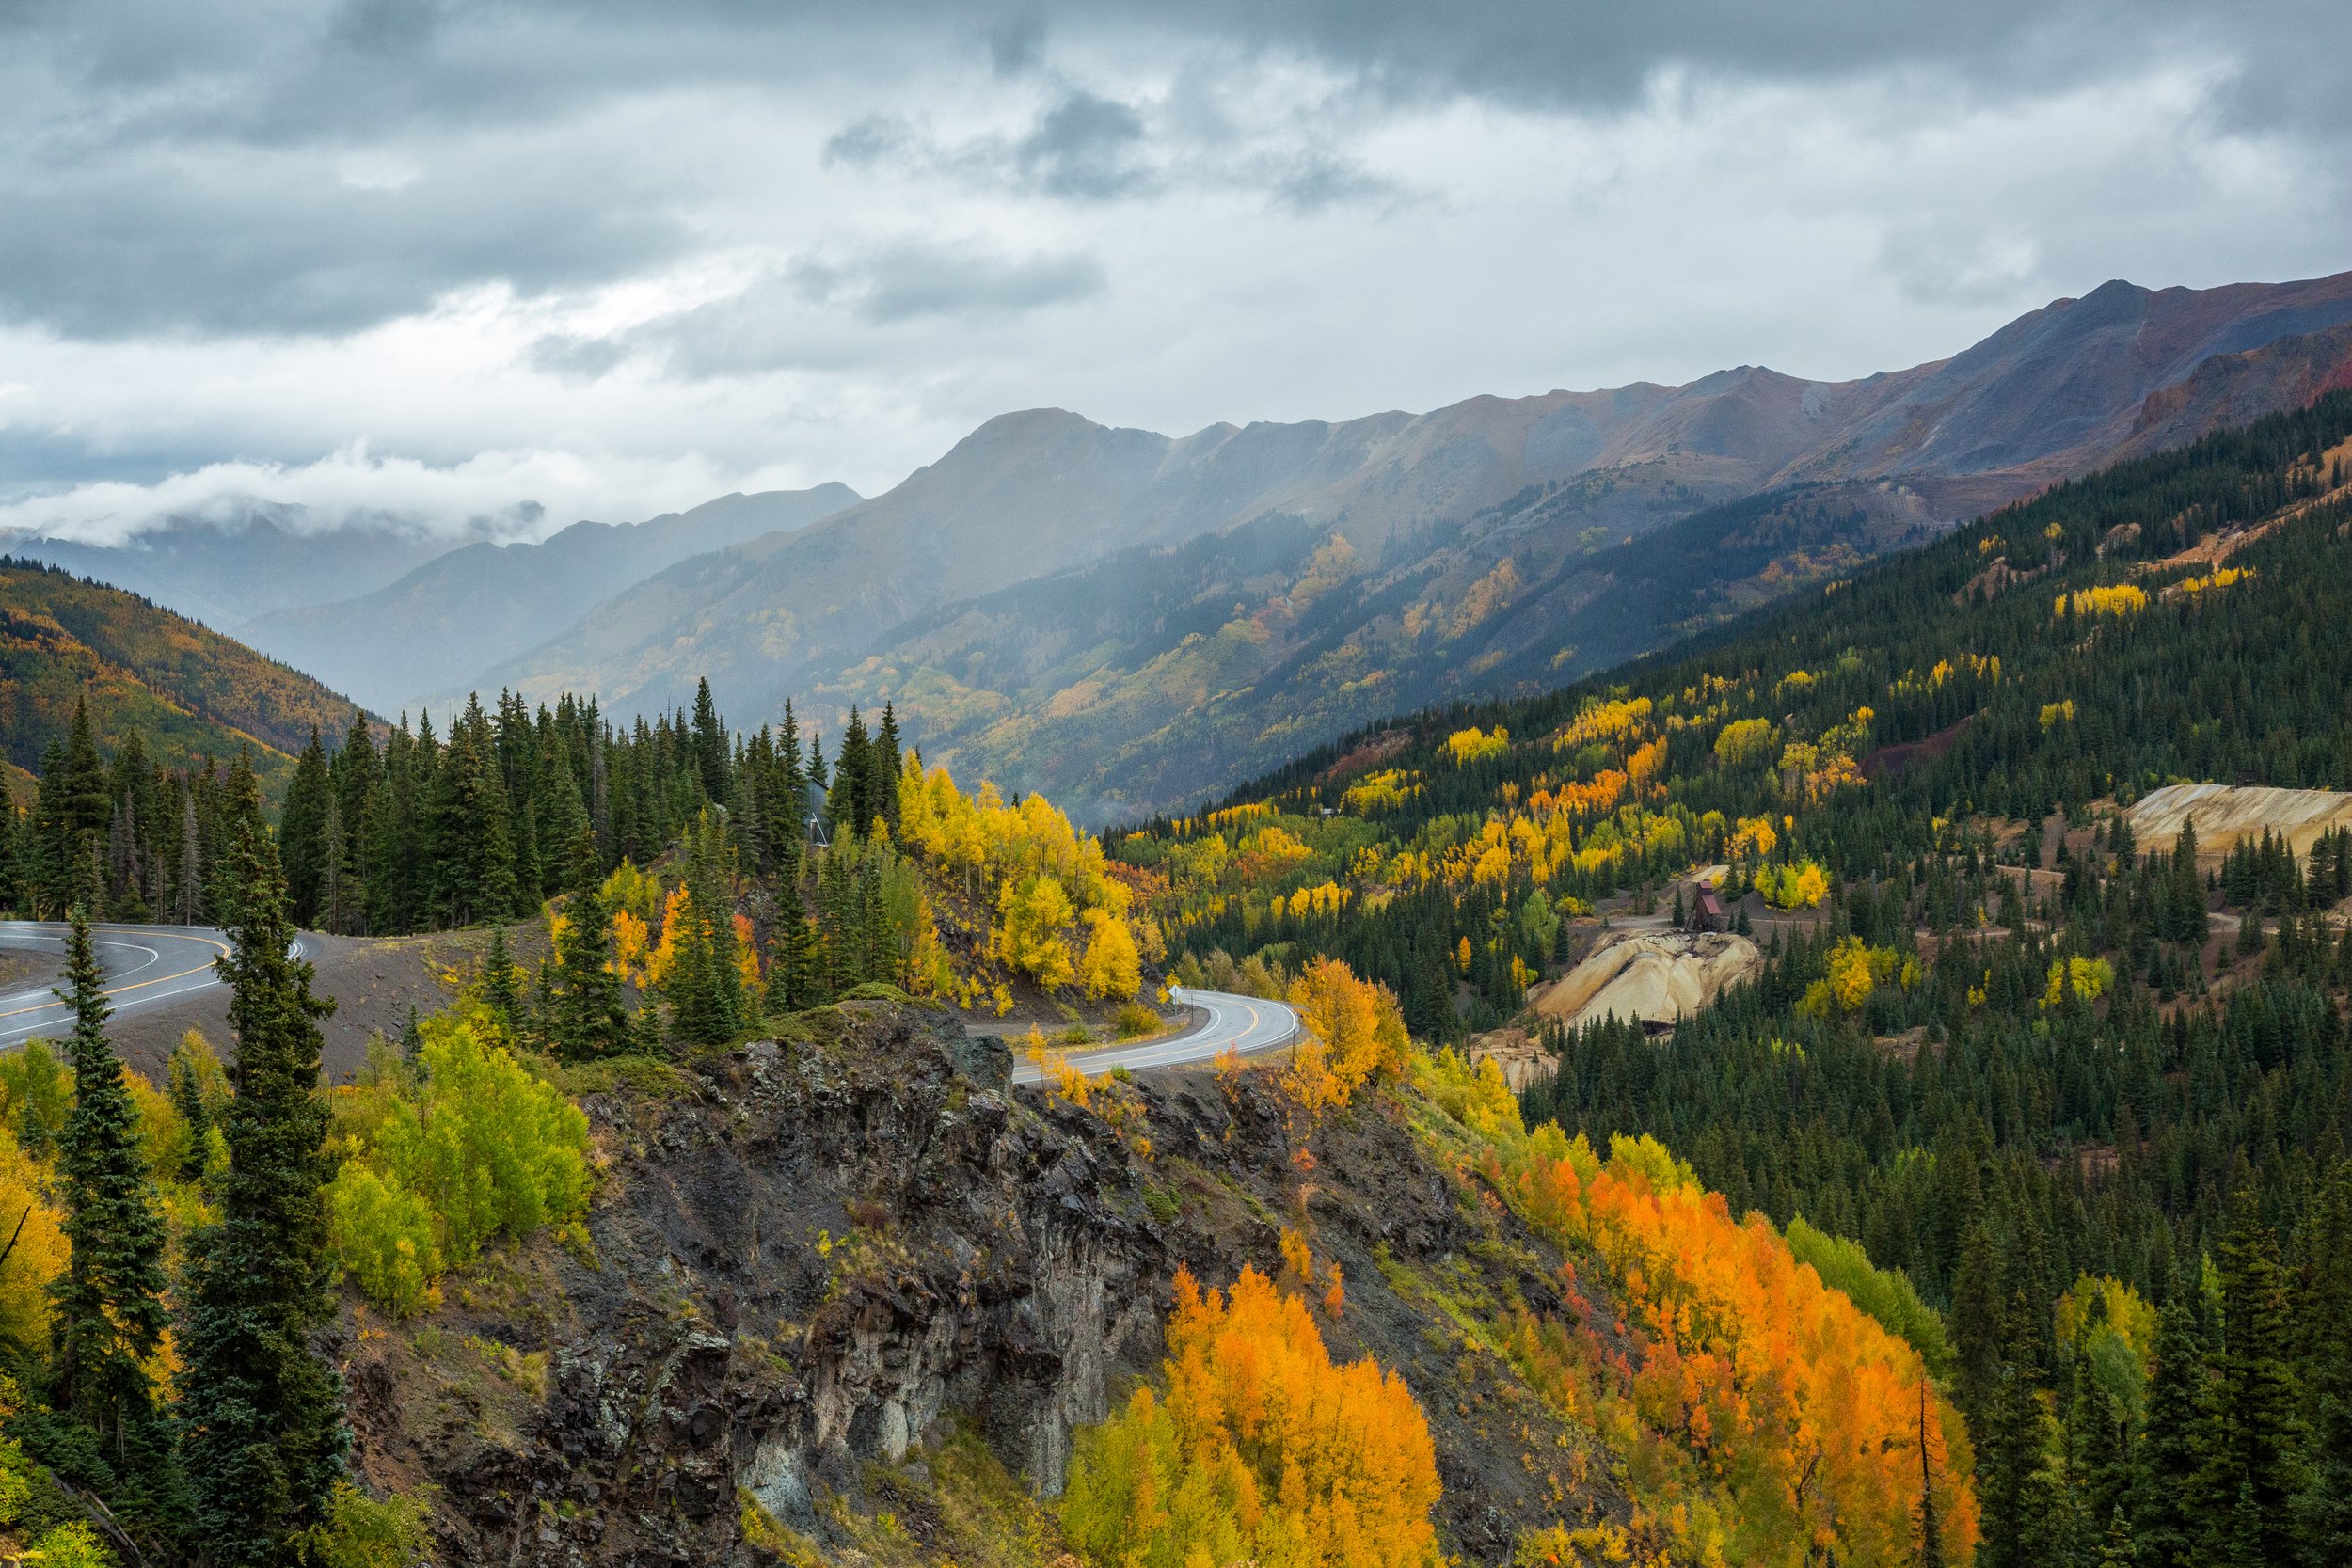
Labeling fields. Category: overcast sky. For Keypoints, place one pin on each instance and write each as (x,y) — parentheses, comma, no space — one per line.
(543,261)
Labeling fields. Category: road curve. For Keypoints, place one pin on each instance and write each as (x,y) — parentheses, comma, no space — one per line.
(1249,1024)
(144,965)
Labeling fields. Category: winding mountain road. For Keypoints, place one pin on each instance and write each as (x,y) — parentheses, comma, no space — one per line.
(1249,1024)
(144,965)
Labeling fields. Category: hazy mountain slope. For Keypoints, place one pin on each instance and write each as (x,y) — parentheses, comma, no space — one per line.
(1009,599)
(186,691)
(484,603)
(1239,650)
(225,572)
(1134,683)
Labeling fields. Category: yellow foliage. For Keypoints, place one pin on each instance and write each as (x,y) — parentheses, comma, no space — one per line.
(2222,576)
(1474,745)
(2085,979)
(1855,971)
(1112,968)
(637,891)
(1473,1094)
(2121,599)
(1354,1025)
(1744,740)
(40,1250)
(1380,791)
(1801,886)
(1615,721)
(2054,714)
(1261,1452)
(629,937)
(1276,845)
(1030,915)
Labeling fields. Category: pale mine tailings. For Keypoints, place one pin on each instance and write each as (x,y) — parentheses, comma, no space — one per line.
(2224,813)
(1651,977)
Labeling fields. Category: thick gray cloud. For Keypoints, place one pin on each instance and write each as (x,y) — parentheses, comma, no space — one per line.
(614,243)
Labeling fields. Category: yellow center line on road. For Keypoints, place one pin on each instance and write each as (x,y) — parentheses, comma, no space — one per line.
(125,990)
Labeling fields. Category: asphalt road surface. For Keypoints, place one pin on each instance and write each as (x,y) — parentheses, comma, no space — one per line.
(1249,1024)
(145,965)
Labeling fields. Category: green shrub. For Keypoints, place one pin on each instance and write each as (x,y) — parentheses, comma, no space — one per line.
(383,1238)
(492,1149)
(1134,1019)
(72,1544)
(469,1145)
(361,1532)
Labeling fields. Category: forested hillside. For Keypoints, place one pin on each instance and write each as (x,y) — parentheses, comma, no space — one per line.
(184,693)
(2090,1095)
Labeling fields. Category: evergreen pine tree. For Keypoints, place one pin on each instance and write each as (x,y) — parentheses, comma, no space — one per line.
(711,751)
(586,1016)
(2253,1465)
(791,974)
(2325,1510)
(239,819)
(2167,1520)
(334,871)
(110,1312)
(884,761)
(2011,1483)
(186,1079)
(846,808)
(260,1413)
(1976,1312)
(2188,889)
(300,823)
(501,990)
(190,906)
(472,832)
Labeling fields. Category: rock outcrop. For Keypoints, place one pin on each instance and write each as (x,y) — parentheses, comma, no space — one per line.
(812,1257)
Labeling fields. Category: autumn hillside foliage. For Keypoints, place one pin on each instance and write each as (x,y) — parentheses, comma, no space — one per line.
(1049,907)
(1262,1452)
(1764,1418)
(1350,1034)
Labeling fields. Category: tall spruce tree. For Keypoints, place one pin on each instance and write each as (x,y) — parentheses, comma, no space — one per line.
(711,751)
(2011,1482)
(883,763)
(301,821)
(260,1413)
(586,1015)
(2325,1510)
(2168,1519)
(501,989)
(110,1309)
(2254,1466)
(847,809)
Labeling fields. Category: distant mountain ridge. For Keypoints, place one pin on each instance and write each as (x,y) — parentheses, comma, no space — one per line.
(226,570)
(482,604)
(1128,620)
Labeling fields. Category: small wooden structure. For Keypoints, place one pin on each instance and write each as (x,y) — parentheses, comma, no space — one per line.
(1706,911)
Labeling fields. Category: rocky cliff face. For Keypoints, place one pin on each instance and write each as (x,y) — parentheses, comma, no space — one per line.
(814,1258)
